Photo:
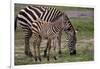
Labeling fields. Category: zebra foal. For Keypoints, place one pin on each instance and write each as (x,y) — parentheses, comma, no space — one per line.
(45,30)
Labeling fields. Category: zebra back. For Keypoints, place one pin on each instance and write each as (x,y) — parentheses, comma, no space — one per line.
(31,13)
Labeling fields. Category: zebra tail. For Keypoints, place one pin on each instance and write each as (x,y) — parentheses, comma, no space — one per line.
(15,25)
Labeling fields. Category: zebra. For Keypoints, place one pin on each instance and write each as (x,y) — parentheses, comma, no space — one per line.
(44,30)
(29,14)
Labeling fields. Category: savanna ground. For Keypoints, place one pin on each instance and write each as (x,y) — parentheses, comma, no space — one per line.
(83,21)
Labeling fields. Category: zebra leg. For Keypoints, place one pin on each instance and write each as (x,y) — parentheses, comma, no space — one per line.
(34,50)
(27,47)
(38,47)
(45,51)
(54,50)
(48,49)
(59,42)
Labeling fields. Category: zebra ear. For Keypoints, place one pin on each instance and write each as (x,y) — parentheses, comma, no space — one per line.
(65,16)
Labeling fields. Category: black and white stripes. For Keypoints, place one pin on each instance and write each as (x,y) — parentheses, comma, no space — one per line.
(30,13)
(49,29)
(51,14)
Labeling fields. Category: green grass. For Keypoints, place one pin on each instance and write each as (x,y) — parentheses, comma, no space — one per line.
(83,24)
(84,46)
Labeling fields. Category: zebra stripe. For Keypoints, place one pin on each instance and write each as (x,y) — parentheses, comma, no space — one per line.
(44,14)
(25,14)
(24,20)
(51,16)
(37,12)
(31,13)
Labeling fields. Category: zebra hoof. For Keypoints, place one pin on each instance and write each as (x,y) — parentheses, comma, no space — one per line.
(73,52)
(35,59)
(59,52)
(55,58)
(45,54)
(28,53)
(47,58)
(40,59)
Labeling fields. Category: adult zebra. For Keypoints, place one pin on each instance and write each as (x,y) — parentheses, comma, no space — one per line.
(30,13)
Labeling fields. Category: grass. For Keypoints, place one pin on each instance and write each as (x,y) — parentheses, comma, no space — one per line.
(84,53)
(84,46)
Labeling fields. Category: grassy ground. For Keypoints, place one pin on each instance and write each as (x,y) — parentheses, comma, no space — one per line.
(85,43)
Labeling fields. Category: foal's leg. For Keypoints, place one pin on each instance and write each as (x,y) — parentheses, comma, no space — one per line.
(48,49)
(59,42)
(34,49)
(38,48)
(45,51)
(54,49)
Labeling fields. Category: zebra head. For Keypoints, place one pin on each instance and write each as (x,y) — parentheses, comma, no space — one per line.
(69,29)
